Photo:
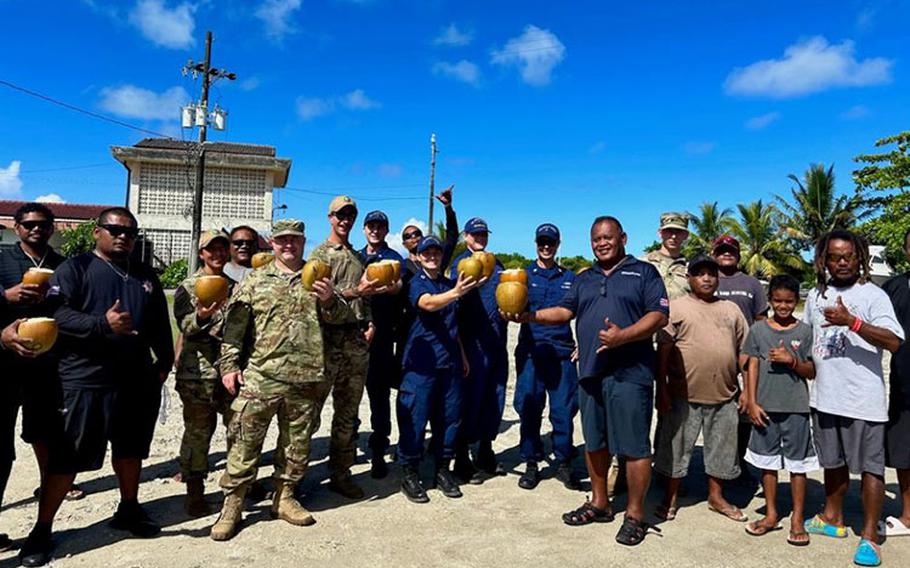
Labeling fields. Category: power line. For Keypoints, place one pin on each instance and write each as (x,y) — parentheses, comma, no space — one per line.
(74,108)
(63,169)
(358,198)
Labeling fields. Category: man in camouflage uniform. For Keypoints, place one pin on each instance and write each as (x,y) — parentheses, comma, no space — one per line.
(198,381)
(273,351)
(668,259)
(347,340)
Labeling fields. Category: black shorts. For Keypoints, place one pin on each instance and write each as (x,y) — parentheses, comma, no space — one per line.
(90,418)
(897,438)
(616,416)
(41,404)
(9,410)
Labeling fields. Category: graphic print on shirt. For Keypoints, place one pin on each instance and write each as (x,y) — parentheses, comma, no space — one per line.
(831,341)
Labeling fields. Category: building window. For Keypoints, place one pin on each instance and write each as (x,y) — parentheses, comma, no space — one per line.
(170,246)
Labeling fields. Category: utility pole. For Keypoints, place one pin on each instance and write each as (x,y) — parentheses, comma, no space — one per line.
(432,180)
(209,75)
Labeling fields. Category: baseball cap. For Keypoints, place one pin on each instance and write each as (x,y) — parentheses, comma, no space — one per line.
(476,225)
(674,220)
(340,202)
(376,217)
(725,241)
(547,230)
(428,242)
(283,227)
(699,260)
(206,238)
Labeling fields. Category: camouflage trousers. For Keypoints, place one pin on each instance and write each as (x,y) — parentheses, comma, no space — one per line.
(347,356)
(203,400)
(297,406)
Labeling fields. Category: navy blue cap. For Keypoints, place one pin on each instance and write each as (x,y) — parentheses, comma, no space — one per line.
(549,231)
(376,217)
(476,225)
(428,242)
(699,260)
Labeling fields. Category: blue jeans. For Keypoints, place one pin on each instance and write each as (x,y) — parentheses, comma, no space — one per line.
(539,378)
(433,398)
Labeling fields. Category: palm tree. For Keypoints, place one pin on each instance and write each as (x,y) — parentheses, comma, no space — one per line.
(710,223)
(763,251)
(815,209)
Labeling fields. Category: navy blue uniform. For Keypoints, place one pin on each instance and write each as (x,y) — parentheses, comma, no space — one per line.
(430,389)
(544,367)
(483,334)
(616,390)
(383,372)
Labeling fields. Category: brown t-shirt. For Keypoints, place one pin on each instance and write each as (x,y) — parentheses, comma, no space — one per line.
(708,338)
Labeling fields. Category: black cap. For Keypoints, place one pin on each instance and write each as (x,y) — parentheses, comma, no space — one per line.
(699,260)
(376,217)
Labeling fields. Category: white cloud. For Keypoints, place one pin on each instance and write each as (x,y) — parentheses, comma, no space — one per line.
(855,112)
(309,108)
(277,16)
(389,170)
(394,239)
(135,102)
(762,121)
(810,66)
(358,100)
(536,52)
(50,198)
(463,71)
(250,84)
(695,148)
(453,37)
(167,27)
(10,183)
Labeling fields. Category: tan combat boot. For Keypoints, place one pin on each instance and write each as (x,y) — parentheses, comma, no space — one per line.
(231,514)
(195,504)
(287,508)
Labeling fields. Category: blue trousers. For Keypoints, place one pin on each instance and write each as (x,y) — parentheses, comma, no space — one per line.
(433,398)
(539,378)
(484,392)
(382,376)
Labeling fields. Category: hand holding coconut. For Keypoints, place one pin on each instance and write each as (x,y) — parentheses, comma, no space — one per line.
(120,322)
(368,287)
(323,290)
(16,343)
(466,283)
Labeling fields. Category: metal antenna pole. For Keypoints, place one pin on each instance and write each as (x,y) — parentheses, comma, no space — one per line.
(432,181)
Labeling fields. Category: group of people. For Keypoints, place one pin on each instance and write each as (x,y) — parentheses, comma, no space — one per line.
(689,338)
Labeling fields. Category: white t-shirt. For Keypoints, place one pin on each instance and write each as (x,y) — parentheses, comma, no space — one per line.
(849,381)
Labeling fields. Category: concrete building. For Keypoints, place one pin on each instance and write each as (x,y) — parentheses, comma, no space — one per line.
(239,179)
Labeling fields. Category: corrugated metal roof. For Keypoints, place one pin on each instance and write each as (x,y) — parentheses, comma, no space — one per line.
(226,147)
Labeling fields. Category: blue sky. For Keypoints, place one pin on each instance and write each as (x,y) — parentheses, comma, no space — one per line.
(543,113)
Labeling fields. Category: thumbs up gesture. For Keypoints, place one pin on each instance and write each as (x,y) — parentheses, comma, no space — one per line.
(838,314)
(780,354)
(120,322)
(611,336)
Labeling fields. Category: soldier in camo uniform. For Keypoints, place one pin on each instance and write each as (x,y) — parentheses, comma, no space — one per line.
(197,379)
(273,352)
(668,259)
(347,339)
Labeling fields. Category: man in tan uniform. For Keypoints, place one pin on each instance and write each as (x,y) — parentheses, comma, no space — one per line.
(668,259)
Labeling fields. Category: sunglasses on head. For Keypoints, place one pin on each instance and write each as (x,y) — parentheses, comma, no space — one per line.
(243,243)
(411,235)
(29,225)
(118,230)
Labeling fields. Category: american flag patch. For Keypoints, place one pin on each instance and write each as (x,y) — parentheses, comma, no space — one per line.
(664,303)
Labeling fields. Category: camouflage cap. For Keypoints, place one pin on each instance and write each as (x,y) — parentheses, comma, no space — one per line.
(673,220)
(340,203)
(283,227)
(206,238)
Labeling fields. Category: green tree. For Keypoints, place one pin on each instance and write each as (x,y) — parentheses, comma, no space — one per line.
(174,274)
(884,179)
(574,263)
(709,223)
(816,209)
(513,260)
(78,239)
(655,245)
(764,252)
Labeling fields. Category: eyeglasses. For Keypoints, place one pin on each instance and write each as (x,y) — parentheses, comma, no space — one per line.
(29,225)
(345,215)
(411,235)
(118,230)
(833,258)
(243,243)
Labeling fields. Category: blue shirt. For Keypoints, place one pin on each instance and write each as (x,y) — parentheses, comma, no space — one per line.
(478,313)
(386,308)
(633,289)
(546,287)
(433,340)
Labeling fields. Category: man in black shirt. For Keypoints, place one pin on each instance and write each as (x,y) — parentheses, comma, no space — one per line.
(112,317)
(411,236)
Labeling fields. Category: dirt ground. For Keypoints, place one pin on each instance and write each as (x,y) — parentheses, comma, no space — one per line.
(495,524)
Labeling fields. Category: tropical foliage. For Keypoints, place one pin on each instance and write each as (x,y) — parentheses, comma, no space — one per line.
(709,223)
(78,240)
(763,252)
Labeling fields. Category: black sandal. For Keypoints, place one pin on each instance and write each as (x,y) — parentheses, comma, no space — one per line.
(587,514)
(633,531)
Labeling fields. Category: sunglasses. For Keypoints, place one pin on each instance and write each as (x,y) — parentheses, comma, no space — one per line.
(345,215)
(243,243)
(29,225)
(833,258)
(546,243)
(118,230)
(411,235)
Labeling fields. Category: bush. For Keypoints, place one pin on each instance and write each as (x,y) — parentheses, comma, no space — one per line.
(78,240)
(174,274)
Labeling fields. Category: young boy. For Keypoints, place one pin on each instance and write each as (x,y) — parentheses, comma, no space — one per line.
(698,363)
(779,351)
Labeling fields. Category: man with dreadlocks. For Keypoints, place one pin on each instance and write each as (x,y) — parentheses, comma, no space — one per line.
(852,321)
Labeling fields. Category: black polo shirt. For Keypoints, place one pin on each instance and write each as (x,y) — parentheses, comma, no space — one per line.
(13,265)
(633,289)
